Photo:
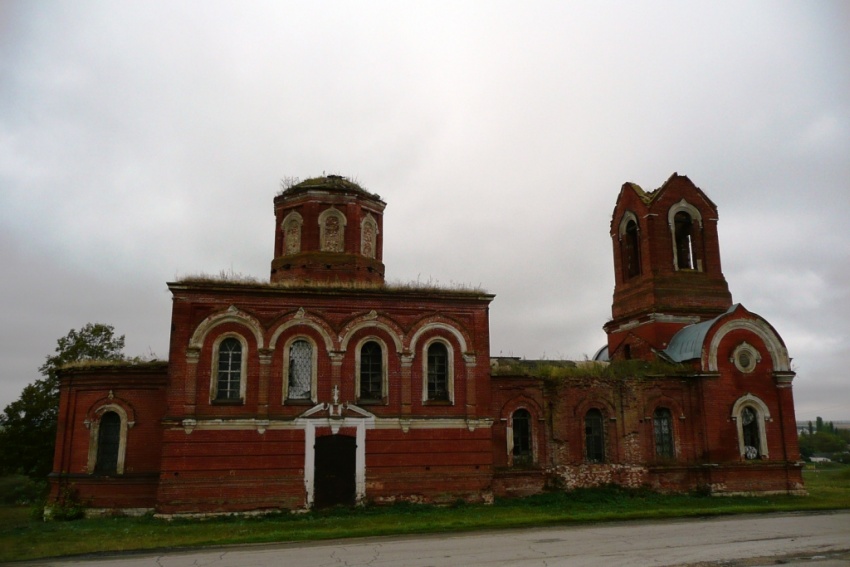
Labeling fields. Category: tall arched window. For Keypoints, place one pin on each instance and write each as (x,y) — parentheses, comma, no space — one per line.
(300,370)
(683,229)
(332,230)
(662,425)
(371,371)
(108,442)
(750,432)
(522,451)
(229,372)
(292,233)
(438,372)
(594,436)
(368,236)
(631,250)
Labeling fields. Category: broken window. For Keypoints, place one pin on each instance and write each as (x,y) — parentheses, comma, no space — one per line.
(594,437)
(229,380)
(751,434)
(371,371)
(438,372)
(300,370)
(108,442)
(522,451)
(662,424)
(683,230)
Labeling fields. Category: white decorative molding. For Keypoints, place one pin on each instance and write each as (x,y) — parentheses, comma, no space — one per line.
(777,351)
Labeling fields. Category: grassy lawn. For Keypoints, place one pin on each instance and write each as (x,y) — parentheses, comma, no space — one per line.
(22,537)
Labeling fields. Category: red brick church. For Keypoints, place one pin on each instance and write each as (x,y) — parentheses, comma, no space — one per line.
(327,386)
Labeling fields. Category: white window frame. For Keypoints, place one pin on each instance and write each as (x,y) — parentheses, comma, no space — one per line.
(451,370)
(314,363)
(762,417)
(94,432)
(385,392)
(243,369)
(288,219)
(696,217)
(323,243)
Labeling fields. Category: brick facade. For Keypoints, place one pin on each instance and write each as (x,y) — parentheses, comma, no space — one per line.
(327,386)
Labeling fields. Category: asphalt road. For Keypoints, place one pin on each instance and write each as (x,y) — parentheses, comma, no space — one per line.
(816,539)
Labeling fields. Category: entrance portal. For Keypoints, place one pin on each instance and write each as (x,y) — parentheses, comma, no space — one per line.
(334,473)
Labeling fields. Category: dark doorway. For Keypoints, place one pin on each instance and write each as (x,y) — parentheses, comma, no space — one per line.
(334,473)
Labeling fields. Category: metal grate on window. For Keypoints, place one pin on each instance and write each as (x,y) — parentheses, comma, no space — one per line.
(300,370)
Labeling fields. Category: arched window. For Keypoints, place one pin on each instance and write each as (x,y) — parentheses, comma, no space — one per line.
(371,371)
(522,451)
(229,370)
(662,426)
(683,230)
(750,432)
(750,415)
(300,370)
(594,437)
(438,372)
(108,443)
(631,250)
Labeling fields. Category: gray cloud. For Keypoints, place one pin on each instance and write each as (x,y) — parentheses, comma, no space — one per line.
(141,141)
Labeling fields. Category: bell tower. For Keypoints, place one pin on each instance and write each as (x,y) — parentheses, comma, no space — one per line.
(328,229)
(666,266)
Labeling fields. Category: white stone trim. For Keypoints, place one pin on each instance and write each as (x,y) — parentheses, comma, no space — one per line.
(385,384)
(314,367)
(684,206)
(243,370)
(291,247)
(777,351)
(450,370)
(94,431)
(231,315)
(301,318)
(763,416)
(369,220)
(324,246)
(440,326)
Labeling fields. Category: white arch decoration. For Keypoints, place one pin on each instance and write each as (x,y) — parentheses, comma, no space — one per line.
(367,322)
(778,352)
(627,216)
(308,321)
(441,326)
(232,315)
(763,416)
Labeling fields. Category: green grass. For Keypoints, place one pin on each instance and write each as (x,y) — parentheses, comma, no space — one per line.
(22,537)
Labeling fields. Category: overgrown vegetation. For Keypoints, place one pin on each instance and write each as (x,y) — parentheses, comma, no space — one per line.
(418,286)
(21,537)
(555,370)
(824,439)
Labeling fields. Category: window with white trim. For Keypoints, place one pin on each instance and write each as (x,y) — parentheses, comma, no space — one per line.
(371,372)
(229,370)
(438,372)
(751,415)
(301,370)
(108,443)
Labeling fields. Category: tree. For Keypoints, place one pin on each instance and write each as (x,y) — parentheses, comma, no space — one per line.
(28,425)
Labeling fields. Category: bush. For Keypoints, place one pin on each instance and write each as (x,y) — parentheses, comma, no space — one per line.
(19,490)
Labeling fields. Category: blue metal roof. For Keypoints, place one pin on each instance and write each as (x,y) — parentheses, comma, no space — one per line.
(687,343)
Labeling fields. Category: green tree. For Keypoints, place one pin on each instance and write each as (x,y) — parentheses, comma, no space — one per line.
(28,425)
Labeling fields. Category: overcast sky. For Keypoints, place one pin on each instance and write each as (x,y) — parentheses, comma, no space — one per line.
(144,141)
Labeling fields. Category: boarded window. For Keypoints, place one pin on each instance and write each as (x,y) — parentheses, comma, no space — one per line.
(594,437)
(228,386)
(108,441)
(438,372)
(522,450)
(662,425)
(300,370)
(371,371)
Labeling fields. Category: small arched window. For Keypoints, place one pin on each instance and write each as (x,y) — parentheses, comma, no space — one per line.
(662,426)
(108,443)
(371,371)
(631,250)
(438,372)
(300,370)
(368,237)
(683,229)
(229,372)
(750,432)
(522,452)
(594,437)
